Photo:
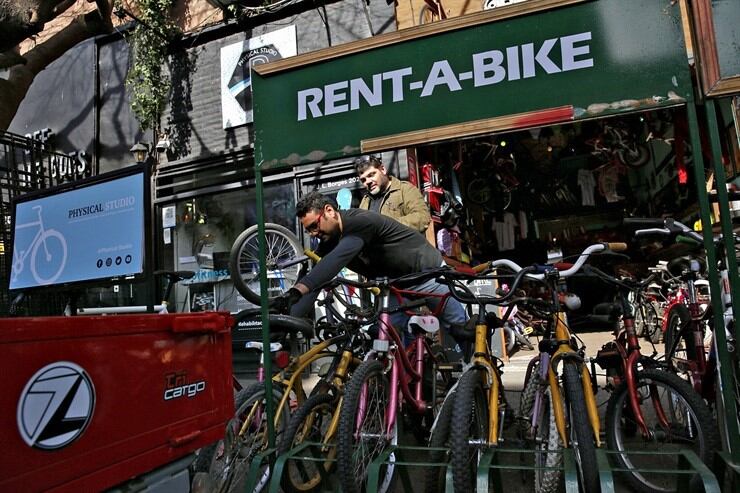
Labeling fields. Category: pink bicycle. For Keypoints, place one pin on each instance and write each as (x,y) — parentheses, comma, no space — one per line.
(391,380)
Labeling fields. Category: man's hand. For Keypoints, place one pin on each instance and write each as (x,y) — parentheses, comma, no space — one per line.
(285,301)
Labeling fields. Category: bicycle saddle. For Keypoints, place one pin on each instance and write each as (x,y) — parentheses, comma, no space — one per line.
(280,325)
(175,275)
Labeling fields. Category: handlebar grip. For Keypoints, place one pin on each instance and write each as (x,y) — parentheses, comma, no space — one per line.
(374,290)
(687,240)
(644,222)
(312,255)
(617,247)
(481,267)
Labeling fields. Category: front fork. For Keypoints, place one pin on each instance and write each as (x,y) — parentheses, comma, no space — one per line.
(559,406)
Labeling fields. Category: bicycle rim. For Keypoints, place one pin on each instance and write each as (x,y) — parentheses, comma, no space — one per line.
(688,425)
(282,248)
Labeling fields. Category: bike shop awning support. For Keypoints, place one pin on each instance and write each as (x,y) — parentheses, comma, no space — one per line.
(264,304)
(727,396)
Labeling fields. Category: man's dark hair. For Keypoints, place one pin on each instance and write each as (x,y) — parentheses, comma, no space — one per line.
(314,201)
(364,162)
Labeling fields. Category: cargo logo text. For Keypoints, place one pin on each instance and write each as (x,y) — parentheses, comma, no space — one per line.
(177,385)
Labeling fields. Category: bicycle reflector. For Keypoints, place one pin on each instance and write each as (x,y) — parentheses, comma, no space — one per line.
(281,359)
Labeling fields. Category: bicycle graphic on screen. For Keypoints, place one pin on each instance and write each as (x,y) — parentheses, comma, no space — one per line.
(46,267)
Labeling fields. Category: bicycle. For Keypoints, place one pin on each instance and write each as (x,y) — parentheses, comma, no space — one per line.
(388,382)
(551,416)
(171,278)
(55,252)
(222,466)
(316,421)
(650,408)
(225,463)
(479,404)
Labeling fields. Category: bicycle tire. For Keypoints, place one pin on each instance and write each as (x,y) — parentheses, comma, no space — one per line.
(358,444)
(635,158)
(679,319)
(282,246)
(440,438)
(623,433)
(469,422)
(229,459)
(427,15)
(315,413)
(547,463)
(654,325)
(581,432)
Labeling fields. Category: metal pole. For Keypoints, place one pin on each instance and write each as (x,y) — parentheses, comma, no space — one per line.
(727,404)
(260,208)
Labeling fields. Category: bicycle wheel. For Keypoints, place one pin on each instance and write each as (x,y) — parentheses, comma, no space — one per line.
(469,429)
(678,334)
(427,15)
(581,434)
(548,458)
(309,423)
(363,427)
(440,438)
(46,268)
(653,322)
(689,425)
(227,461)
(283,257)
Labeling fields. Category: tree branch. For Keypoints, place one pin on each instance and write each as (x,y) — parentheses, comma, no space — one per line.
(14,89)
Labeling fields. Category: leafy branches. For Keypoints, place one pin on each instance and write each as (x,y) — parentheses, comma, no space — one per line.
(147,81)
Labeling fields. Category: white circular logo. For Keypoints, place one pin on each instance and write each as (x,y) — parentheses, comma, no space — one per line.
(56,406)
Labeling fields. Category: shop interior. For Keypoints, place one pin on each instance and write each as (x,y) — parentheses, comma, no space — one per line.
(544,194)
(528,194)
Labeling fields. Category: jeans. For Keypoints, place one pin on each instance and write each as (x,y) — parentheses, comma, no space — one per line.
(453,313)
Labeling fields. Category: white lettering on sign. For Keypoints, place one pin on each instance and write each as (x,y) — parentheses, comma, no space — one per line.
(489,67)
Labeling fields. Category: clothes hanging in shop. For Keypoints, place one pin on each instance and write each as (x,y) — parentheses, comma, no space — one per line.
(505,232)
(587,182)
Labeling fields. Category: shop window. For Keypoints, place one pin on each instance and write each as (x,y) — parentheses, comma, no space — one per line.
(197,234)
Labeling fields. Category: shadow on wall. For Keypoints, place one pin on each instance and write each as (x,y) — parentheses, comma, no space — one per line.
(183,65)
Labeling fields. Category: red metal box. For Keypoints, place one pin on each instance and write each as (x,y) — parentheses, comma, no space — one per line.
(90,402)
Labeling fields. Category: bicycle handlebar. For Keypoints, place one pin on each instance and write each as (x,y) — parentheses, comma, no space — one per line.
(595,248)
(666,227)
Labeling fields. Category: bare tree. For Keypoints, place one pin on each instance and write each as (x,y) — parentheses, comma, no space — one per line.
(24,19)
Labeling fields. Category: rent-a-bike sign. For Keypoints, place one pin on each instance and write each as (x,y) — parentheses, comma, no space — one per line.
(574,61)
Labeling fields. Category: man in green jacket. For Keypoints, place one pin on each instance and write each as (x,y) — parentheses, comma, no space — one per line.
(390,196)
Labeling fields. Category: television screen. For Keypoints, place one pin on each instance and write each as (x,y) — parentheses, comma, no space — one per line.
(92,232)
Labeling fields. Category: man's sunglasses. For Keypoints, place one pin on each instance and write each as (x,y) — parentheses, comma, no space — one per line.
(314,226)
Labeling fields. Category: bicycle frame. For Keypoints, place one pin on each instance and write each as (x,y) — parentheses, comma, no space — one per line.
(548,364)
(403,373)
(295,370)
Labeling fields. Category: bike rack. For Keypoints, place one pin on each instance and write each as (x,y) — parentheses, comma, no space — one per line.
(728,472)
(490,467)
(254,467)
(328,482)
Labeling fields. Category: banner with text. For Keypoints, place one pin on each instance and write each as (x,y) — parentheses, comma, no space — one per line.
(599,57)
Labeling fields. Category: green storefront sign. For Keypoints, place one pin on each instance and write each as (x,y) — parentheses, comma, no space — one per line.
(587,59)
